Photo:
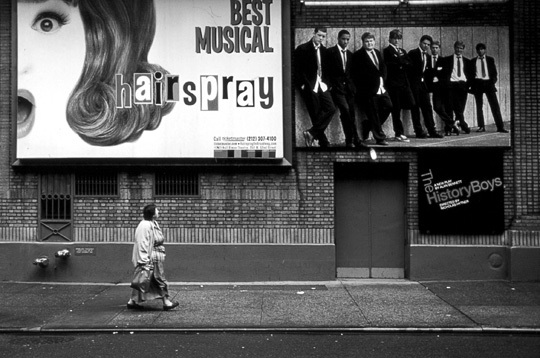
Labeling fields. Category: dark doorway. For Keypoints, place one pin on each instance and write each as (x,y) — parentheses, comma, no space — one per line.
(370,219)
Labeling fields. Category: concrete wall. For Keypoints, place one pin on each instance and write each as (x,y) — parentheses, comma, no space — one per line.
(111,262)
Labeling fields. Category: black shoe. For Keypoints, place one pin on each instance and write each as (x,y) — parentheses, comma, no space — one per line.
(349,145)
(134,306)
(502,130)
(381,142)
(466,130)
(422,135)
(359,144)
(324,144)
(481,129)
(174,304)
(455,129)
(435,135)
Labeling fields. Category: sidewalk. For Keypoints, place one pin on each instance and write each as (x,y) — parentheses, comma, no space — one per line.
(348,305)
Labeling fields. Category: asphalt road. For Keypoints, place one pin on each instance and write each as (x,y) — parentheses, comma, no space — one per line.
(267,344)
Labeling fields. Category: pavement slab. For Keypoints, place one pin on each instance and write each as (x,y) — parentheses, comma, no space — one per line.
(342,304)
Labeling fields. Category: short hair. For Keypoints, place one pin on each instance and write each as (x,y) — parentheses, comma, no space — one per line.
(320,28)
(480,46)
(395,34)
(426,37)
(149,211)
(435,42)
(367,35)
(343,32)
(459,43)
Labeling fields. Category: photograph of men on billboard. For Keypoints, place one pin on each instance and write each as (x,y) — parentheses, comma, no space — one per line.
(149,79)
(402,87)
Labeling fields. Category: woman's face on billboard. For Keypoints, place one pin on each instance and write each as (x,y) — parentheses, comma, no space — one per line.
(51,52)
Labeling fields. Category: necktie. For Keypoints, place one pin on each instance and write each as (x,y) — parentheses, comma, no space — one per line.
(424,58)
(434,61)
(375,59)
(344,53)
(483,67)
(459,66)
(319,69)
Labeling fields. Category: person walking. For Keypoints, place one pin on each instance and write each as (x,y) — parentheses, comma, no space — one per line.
(149,254)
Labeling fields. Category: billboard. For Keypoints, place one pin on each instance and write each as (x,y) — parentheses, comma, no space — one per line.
(461,191)
(424,119)
(149,79)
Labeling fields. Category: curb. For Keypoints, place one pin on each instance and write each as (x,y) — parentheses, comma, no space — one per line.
(328,330)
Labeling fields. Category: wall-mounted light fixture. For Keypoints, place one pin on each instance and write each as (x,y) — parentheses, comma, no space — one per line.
(395,2)
(63,253)
(42,261)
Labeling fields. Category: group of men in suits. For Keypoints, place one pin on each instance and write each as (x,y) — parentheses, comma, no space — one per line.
(384,85)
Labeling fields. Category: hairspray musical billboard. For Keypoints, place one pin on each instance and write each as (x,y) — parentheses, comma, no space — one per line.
(149,79)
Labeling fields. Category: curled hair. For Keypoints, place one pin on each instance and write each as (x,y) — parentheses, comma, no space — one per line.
(480,46)
(119,35)
(426,37)
(149,211)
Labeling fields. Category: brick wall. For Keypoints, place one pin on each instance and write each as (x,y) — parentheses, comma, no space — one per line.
(296,206)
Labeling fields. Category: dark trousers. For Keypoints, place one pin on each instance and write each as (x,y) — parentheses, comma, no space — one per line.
(493,104)
(399,102)
(345,103)
(422,103)
(441,106)
(321,109)
(457,95)
(377,108)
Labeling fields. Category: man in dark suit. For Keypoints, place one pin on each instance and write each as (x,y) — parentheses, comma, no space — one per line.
(397,83)
(342,87)
(311,76)
(455,76)
(420,66)
(369,76)
(484,79)
(440,97)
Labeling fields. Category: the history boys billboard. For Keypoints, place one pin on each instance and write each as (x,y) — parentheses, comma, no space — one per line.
(461,191)
(150,79)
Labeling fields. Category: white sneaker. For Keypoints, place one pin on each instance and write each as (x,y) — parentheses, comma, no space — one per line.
(402,138)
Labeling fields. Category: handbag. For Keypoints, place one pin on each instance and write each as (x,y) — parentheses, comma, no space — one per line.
(141,278)
(143,273)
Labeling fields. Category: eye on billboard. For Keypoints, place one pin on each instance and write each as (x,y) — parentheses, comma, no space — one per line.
(164,79)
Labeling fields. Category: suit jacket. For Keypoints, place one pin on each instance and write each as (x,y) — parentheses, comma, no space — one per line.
(447,64)
(417,74)
(305,64)
(340,80)
(432,72)
(397,66)
(492,72)
(366,76)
